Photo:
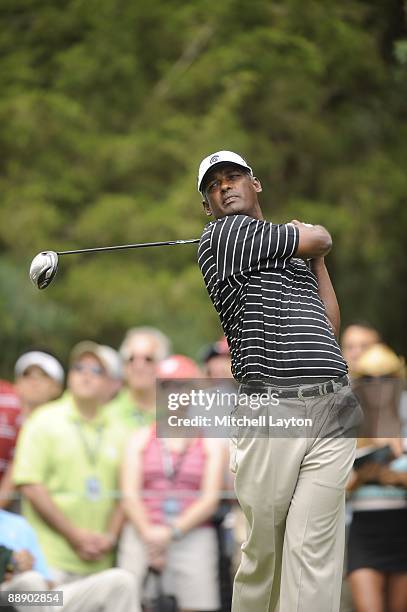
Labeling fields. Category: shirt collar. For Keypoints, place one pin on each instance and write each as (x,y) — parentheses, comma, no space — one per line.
(75,415)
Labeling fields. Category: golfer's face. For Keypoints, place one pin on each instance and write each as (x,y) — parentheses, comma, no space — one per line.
(229,190)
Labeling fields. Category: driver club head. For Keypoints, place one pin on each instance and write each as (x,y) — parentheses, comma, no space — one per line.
(43,268)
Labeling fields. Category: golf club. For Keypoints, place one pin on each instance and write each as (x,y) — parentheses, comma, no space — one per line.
(44,266)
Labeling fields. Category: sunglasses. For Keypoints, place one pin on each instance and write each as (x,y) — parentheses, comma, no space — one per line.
(96,370)
(145,358)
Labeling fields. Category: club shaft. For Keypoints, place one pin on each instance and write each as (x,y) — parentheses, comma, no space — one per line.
(121,247)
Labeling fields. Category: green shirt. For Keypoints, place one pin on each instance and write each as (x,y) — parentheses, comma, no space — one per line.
(77,460)
(124,410)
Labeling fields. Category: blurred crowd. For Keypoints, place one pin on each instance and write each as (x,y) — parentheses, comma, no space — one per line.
(96,504)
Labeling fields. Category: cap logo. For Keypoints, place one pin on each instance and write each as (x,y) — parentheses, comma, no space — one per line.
(214,159)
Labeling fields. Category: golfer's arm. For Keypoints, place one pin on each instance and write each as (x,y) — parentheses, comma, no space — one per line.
(314,241)
(42,502)
(327,293)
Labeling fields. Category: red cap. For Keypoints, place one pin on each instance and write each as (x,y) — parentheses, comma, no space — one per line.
(178,366)
(220,347)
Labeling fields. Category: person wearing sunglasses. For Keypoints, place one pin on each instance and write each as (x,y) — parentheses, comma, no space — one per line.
(66,466)
(171,487)
(142,350)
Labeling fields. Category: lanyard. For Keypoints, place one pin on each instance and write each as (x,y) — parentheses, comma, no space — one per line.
(91,452)
(171,469)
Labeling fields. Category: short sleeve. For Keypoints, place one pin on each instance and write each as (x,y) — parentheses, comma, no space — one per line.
(241,244)
(32,451)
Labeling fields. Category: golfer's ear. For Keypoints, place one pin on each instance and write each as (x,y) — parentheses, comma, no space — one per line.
(207,208)
(257,184)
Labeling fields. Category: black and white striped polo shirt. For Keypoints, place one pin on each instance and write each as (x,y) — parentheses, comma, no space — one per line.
(268,303)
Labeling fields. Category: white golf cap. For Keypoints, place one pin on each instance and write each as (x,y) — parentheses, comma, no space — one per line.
(48,364)
(113,358)
(220,157)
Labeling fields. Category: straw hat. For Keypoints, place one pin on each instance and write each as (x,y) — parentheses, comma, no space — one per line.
(380,360)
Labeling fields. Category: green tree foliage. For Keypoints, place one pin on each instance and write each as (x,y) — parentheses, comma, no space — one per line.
(107,107)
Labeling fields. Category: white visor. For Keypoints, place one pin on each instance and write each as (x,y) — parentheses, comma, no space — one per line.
(46,362)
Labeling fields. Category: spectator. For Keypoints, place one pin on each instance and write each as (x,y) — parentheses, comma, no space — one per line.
(115,379)
(379,391)
(66,466)
(357,338)
(403,411)
(171,490)
(142,349)
(39,378)
(10,421)
(377,557)
(216,358)
(231,522)
(98,593)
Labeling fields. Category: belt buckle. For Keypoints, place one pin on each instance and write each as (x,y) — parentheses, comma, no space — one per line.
(322,388)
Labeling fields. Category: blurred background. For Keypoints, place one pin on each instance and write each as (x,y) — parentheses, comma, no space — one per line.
(108,106)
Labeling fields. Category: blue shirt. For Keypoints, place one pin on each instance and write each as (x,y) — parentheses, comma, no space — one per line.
(382,497)
(17,534)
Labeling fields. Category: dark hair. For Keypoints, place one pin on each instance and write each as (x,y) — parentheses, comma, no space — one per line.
(364,325)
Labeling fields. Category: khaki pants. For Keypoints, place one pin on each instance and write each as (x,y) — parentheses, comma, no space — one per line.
(292,492)
(191,570)
(102,592)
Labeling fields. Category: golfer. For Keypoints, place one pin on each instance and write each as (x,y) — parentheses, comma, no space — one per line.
(281,318)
